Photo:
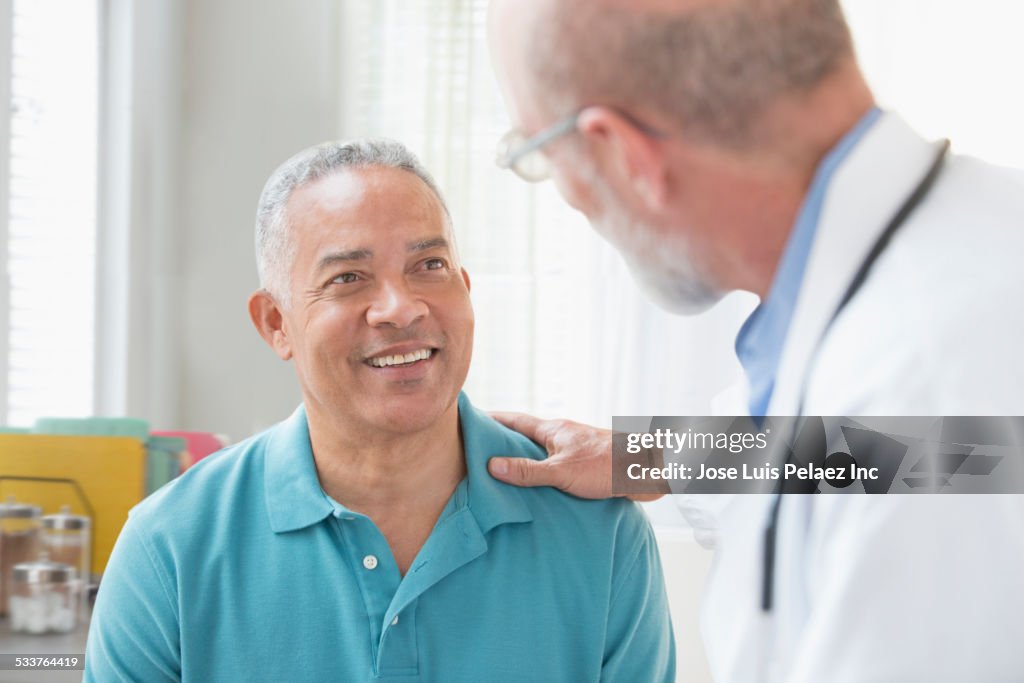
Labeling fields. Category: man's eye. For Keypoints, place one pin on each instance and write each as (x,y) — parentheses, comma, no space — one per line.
(434,264)
(346,278)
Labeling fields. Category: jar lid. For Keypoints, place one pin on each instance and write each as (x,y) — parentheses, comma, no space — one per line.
(43,571)
(64,520)
(11,509)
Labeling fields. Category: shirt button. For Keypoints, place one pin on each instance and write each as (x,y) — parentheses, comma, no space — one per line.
(370,562)
(394,621)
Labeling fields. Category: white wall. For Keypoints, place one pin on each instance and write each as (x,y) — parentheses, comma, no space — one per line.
(260,83)
(138,269)
(686,565)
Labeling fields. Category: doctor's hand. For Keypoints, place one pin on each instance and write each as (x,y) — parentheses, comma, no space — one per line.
(579,458)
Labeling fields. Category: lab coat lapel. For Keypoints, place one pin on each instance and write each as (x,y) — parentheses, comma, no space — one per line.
(865,193)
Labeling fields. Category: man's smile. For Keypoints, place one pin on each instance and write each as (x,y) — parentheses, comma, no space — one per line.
(400,359)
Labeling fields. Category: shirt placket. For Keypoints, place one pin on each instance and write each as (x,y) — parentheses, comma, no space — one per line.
(390,599)
(455,542)
(376,574)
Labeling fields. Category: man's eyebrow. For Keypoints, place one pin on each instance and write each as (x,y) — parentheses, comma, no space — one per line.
(350,255)
(364,254)
(424,245)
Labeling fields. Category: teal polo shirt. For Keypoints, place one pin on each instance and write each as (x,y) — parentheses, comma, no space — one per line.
(243,569)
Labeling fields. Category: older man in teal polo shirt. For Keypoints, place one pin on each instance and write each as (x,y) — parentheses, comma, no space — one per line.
(362,539)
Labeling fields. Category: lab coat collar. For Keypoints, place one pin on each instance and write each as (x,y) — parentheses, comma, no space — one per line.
(865,192)
(295,499)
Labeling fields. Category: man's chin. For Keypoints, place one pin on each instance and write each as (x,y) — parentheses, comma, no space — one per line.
(674,284)
(677,294)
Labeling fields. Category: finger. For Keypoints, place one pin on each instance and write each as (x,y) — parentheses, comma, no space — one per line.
(527,425)
(522,472)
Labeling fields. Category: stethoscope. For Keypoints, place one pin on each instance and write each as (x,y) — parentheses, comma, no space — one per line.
(909,205)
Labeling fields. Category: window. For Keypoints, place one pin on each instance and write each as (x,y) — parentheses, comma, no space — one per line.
(560,329)
(431,58)
(48,160)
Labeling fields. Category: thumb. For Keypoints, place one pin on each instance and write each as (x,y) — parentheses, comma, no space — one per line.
(521,471)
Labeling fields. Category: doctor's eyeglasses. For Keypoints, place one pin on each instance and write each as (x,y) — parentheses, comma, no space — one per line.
(525,156)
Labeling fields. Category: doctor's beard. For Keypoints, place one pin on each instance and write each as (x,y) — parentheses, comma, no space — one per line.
(664,270)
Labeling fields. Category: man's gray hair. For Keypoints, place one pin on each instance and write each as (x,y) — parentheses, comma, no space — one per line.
(275,250)
(713,69)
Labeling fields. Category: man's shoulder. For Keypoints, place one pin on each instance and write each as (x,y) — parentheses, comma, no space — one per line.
(976,182)
(611,519)
(612,525)
(617,516)
(201,493)
(932,329)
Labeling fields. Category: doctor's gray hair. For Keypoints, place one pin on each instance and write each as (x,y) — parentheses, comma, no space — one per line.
(275,250)
(713,69)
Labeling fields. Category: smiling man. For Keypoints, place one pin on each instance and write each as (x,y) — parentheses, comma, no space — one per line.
(362,538)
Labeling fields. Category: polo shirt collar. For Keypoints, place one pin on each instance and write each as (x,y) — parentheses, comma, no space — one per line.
(296,500)
(491,502)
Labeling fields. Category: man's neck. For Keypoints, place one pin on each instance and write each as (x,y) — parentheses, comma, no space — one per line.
(751,235)
(387,474)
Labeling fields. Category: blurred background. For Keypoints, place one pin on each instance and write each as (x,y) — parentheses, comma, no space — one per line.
(136,142)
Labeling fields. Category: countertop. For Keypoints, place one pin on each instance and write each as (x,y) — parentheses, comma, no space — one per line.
(52,643)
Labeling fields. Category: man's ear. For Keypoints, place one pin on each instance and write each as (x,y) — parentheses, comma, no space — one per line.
(269,321)
(465,278)
(632,156)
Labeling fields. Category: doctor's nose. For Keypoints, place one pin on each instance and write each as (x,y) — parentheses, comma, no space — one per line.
(395,305)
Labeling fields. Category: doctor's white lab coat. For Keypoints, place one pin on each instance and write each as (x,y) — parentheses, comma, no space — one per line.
(889,588)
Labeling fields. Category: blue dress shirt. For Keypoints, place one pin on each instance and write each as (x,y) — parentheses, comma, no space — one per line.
(761,339)
(243,569)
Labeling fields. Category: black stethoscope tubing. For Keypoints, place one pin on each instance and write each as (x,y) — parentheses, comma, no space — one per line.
(909,206)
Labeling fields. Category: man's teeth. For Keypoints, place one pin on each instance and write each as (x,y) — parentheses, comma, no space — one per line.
(387,361)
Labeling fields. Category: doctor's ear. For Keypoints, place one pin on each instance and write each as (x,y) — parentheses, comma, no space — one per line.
(266,315)
(630,154)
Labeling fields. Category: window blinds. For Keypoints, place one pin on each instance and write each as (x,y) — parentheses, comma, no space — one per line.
(49,225)
(420,73)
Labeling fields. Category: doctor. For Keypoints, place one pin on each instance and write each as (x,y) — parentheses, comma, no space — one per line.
(733,144)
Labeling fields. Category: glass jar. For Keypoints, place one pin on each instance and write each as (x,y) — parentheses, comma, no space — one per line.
(19,542)
(44,597)
(66,539)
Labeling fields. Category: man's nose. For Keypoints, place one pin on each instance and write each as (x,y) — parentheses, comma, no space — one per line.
(395,305)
